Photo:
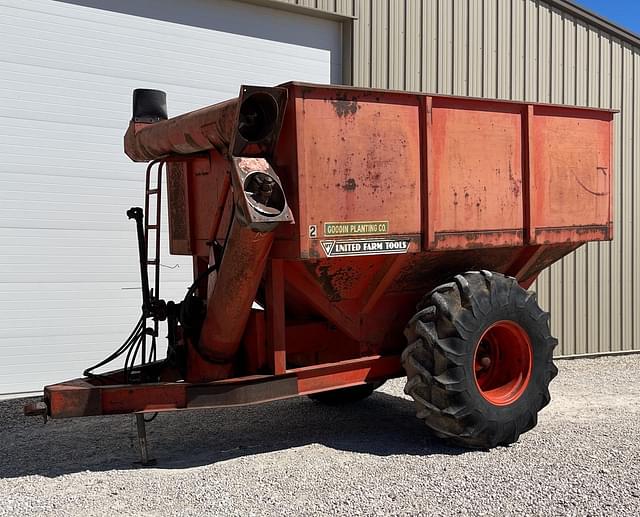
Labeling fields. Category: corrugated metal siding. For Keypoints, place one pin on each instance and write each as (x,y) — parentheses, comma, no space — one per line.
(527,50)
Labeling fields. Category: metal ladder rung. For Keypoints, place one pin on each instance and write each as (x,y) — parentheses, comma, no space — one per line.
(152,227)
(152,191)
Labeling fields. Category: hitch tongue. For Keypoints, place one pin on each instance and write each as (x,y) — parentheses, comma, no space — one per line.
(39,408)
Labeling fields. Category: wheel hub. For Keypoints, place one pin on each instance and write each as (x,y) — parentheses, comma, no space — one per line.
(502,363)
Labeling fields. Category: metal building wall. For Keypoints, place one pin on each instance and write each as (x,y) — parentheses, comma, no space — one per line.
(534,51)
(529,50)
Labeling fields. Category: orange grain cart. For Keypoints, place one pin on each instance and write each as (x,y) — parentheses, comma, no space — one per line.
(329,225)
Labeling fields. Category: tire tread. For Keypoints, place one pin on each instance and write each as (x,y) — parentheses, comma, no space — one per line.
(439,333)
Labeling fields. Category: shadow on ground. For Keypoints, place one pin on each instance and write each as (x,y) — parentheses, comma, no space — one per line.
(381,425)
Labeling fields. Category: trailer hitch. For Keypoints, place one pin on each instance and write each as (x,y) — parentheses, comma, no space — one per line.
(39,408)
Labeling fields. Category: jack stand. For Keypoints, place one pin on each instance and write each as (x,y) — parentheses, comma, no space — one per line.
(142,442)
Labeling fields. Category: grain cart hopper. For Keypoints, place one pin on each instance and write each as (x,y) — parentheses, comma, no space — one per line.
(342,237)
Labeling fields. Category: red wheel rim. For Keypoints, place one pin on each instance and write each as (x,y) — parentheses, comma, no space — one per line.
(502,363)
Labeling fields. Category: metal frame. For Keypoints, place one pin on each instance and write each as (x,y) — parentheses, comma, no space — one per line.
(80,397)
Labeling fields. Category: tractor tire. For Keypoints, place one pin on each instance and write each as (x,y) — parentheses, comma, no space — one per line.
(479,360)
(345,395)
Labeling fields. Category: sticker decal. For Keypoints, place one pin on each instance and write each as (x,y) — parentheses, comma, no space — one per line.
(356,228)
(313,231)
(354,248)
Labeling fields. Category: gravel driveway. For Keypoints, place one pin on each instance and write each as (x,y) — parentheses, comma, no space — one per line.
(296,457)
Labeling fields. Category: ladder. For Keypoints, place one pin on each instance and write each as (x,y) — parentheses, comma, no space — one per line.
(153,190)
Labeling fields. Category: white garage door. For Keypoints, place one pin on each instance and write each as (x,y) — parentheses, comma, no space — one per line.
(69,286)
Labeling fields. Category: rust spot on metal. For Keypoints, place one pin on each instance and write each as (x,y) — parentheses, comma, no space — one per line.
(189,139)
(334,281)
(349,185)
(178,206)
(515,182)
(326,282)
(345,107)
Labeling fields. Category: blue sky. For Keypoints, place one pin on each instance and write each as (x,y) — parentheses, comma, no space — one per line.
(622,12)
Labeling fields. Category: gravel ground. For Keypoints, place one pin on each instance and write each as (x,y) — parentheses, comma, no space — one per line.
(296,457)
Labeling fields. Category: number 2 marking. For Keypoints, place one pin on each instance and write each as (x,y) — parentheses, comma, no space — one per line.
(313,231)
